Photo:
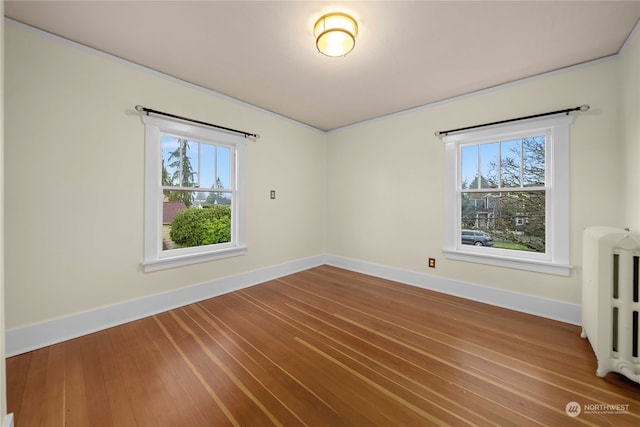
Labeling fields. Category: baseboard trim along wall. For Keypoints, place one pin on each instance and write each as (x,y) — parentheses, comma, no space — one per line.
(525,303)
(32,337)
(8,421)
(28,338)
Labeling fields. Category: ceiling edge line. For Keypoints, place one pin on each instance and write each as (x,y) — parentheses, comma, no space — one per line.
(629,37)
(484,91)
(152,71)
(212,92)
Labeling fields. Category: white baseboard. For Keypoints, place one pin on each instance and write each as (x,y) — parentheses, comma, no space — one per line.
(8,421)
(531,304)
(28,338)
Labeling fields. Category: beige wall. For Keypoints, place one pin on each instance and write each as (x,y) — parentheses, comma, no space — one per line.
(74,175)
(629,89)
(386,178)
(373,192)
(3,383)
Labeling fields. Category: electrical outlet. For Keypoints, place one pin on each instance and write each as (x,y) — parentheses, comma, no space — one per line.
(432,263)
(272,194)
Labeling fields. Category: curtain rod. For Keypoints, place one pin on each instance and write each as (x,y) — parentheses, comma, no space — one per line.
(583,107)
(149,110)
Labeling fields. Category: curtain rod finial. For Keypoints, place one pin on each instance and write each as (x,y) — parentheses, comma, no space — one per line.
(584,107)
(139,107)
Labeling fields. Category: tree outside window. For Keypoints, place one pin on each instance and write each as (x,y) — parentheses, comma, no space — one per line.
(205,216)
(503,191)
(195,198)
(510,180)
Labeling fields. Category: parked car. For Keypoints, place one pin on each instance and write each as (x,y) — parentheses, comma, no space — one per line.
(477,238)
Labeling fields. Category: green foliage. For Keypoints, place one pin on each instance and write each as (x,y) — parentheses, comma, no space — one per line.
(183,175)
(516,216)
(513,246)
(217,198)
(218,231)
(198,227)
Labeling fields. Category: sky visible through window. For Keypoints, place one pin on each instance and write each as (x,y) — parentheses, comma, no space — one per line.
(208,161)
(478,156)
(502,191)
(516,163)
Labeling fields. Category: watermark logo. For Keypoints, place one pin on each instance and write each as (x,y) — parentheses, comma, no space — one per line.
(573,409)
(606,408)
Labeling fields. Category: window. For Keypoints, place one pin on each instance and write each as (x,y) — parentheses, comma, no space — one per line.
(194,198)
(508,195)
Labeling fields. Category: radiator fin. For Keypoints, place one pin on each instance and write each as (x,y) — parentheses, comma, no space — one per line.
(634,348)
(610,299)
(616,274)
(635,278)
(614,330)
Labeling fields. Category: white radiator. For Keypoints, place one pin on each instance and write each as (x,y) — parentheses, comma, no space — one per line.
(611,271)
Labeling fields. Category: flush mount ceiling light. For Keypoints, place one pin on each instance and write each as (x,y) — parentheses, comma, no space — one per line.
(335,34)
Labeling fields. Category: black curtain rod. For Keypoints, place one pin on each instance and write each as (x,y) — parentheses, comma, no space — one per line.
(149,110)
(583,107)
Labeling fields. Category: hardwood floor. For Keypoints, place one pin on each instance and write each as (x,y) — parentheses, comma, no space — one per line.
(323,347)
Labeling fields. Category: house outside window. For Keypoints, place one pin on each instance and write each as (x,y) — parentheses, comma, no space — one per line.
(510,182)
(194,193)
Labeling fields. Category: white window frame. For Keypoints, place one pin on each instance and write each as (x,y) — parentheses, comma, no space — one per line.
(155,258)
(556,259)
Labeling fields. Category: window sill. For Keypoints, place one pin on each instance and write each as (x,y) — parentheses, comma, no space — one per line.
(510,262)
(188,259)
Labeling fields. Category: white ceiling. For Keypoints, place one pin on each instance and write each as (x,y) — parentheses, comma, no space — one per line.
(407,54)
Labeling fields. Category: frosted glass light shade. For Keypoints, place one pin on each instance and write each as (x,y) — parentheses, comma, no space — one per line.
(335,34)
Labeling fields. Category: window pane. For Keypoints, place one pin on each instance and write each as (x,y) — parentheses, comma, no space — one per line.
(510,163)
(187,198)
(489,165)
(179,162)
(219,198)
(215,166)
(509,220)
(206,221)
(170,160)
(533,161)
(223,179)
(189,165)
(207,166)
(469,166)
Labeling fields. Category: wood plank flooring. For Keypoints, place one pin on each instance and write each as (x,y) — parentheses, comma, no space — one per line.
(323,347)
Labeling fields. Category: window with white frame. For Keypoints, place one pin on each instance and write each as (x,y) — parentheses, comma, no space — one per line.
(508,195)
(194,193)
